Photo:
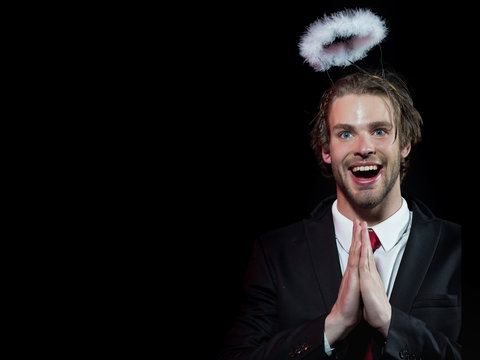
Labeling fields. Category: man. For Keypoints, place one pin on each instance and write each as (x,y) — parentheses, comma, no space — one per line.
(372,274)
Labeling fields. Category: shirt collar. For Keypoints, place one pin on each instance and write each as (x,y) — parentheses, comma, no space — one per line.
(388,231)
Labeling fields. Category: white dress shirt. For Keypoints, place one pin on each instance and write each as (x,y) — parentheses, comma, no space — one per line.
(393,235)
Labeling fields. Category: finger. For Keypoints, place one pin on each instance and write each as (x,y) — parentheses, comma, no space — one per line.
(356,233)
(371,259)
(366,248)
(354,253)
(355,230)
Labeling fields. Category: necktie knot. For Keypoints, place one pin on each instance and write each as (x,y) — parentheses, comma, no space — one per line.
(374,241)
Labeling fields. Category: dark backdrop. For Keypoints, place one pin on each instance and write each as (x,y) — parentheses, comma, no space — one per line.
(246,164)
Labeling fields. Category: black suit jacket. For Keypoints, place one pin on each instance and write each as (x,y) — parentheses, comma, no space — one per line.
(292,282)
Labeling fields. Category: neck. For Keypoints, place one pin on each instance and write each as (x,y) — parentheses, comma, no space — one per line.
(388,206)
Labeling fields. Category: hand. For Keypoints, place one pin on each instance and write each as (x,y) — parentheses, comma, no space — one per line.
(376,307)
(346,312)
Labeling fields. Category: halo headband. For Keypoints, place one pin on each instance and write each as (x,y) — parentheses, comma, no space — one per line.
(341,38)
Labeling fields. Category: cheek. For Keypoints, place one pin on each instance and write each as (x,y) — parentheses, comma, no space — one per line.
(339,151)
(390,154)
(389,147)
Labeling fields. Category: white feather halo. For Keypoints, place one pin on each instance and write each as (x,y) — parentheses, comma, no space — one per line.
(356,32)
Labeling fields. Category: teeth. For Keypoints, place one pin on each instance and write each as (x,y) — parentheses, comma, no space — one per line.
(364,168)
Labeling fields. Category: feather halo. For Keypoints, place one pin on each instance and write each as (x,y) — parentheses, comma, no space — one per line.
(341,38)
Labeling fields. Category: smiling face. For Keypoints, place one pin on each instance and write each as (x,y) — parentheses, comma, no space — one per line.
(364,153)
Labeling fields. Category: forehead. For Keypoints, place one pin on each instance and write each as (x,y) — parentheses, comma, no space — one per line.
(360,108)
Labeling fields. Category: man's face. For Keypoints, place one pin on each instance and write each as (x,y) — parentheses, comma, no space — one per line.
(364,154)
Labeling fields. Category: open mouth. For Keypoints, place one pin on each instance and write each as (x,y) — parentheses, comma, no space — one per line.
(366,172)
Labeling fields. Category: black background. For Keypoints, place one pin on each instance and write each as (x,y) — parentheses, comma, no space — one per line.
(243,162)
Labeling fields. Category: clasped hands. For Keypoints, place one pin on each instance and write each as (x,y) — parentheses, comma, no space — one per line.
(362,294)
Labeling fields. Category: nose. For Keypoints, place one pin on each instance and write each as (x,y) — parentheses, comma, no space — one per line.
(364,146)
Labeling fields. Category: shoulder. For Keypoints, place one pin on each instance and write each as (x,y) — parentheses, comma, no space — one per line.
(296,235)
(286,235)
(448,231)
(423,213)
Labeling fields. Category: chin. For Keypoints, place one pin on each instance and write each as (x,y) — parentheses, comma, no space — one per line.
(365,199)
(368,203)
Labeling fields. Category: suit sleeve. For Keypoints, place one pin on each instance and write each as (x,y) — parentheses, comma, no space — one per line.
(256,333)
(410,338)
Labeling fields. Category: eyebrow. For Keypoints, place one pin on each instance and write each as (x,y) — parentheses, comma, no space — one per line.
(372,125)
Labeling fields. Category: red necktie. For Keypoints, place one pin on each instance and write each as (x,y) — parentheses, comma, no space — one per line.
(375,242)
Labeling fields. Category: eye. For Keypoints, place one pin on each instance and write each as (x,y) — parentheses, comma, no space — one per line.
(380,132)
(344,135)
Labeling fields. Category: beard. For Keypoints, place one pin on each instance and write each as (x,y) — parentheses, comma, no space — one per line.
(372,196)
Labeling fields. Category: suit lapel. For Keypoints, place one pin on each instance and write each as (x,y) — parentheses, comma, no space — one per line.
(320,236)
(421,245)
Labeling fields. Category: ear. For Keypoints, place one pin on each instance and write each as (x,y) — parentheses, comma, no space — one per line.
(326,156)
(406,150)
